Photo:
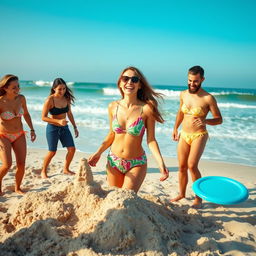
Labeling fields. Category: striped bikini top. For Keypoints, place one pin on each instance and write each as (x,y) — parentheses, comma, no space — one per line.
(196,111)
(8,115)
(137,128)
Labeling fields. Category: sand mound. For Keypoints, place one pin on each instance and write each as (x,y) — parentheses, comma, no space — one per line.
(81,218)
(85,220)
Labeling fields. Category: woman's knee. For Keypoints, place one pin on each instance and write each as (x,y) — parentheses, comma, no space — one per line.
(71,149)
(183,168)
(51,154)
(192,166)
(20,164)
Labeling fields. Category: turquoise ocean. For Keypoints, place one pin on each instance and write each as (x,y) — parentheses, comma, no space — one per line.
(233,141)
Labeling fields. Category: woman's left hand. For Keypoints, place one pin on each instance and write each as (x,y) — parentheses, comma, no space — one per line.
(32,136)
(199,122)
(76,132)
(165,174)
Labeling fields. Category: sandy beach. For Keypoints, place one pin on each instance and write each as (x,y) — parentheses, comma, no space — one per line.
(66,215)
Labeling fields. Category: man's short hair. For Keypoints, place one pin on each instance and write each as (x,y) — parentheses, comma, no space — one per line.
(196,70)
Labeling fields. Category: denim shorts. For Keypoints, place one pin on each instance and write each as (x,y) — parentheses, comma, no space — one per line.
(55,133)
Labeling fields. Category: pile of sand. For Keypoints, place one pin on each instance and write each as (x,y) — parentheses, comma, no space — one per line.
(81,218)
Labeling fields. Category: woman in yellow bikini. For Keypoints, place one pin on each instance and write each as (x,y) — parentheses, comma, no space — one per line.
(12,136)
(195,103)
(132,115)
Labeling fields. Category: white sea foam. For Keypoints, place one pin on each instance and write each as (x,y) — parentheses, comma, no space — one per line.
(96,124)
(169,93)
(35,107)
(49,83)
(234,105)
(234,136)
(43,83)
(92,110)
(75,110)
(166,93)
(39,123)
(230,93)
(111,91)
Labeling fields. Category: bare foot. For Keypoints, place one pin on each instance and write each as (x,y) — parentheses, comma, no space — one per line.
(68,172)
(1,193)
(44,175)
(197,203)
(179,197)
(19,191)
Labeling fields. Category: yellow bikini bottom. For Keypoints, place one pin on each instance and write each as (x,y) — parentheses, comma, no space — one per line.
(190,137)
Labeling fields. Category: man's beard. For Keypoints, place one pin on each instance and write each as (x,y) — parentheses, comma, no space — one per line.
(194,90)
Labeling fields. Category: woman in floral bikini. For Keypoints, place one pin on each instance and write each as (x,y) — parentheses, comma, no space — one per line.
(129,118)
(12,136)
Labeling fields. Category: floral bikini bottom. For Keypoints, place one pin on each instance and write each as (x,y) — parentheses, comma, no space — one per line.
(12,136)
(124,165)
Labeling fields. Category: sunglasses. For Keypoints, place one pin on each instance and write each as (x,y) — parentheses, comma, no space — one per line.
(134,79)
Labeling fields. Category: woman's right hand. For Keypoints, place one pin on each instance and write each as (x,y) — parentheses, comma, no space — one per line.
(175,135)
(62,122)
(93,159)
(164,173)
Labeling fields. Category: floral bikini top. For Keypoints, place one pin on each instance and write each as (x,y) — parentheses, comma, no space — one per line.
(8,115)
(137,128)
(196,111)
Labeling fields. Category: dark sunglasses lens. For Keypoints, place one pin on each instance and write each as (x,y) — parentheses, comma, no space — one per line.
(125,78)
(135,79)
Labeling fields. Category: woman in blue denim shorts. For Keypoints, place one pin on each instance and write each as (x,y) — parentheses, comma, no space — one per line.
(58,107)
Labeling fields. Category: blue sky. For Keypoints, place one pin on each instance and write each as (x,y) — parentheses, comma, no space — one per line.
(92,41)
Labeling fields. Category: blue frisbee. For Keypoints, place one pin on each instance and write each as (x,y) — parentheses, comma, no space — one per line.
(220,190)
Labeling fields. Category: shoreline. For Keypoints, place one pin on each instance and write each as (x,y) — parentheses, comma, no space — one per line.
(150,155)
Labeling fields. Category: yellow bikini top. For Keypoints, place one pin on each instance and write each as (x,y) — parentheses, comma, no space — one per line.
(196,111)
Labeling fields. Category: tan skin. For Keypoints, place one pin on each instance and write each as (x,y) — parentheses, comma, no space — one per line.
(59,101)
(125,145)
(189,155)
(12,101)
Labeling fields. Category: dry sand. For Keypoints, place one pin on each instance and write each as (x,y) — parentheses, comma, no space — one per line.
(74,215)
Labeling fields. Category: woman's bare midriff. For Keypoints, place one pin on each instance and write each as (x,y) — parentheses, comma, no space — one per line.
(127,146)
(11,126)
(188,125)
(59,117)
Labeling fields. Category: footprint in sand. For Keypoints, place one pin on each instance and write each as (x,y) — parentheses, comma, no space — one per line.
(3,209)
(10,188)
(36,171)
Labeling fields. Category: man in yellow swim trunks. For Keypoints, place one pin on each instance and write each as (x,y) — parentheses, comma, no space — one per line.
(195,103)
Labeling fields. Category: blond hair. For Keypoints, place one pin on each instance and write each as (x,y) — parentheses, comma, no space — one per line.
(5,82)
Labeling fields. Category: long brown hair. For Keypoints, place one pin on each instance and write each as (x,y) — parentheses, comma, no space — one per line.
(5,82)
(68,94)
(145,93)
